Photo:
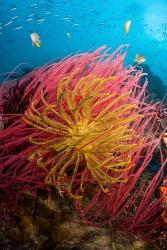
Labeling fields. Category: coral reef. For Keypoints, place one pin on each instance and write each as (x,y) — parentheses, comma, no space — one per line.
(85,126)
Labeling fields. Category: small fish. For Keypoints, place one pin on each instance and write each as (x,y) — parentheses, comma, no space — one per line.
(66,19)
(75,24)
(164,215)
(14,17)
(47,12)
(165,140)
(41,20)
(32,15)
(68,35)
(35,40)
(139,59)
(29,20)
(33,5)
(13,9)
(8,23)
(17,28)
(126,27)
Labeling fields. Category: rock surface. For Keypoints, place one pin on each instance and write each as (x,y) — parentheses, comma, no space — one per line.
(55,226)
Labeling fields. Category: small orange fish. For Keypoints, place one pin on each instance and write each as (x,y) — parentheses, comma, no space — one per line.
(139,59)
(164,215)
(165,139)
(126,27)
(163,190)
(35,40)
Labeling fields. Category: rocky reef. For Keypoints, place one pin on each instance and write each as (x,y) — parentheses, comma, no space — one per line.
(55,226)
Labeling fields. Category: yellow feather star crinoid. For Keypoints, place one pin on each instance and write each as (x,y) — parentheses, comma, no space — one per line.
(84,136)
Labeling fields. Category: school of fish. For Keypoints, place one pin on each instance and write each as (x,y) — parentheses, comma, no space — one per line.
(35,17)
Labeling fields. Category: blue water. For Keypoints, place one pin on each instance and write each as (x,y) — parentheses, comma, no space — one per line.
(90,24)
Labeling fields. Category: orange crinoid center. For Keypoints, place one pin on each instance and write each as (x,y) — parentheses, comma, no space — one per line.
(85,134)
(80,133)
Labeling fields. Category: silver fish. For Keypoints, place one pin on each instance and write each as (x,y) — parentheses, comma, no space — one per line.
(17,28)
(41,20)
(33,5)
(14,17)
(8,23)
(47,12)
(29,20)
(75,24)
(32,15)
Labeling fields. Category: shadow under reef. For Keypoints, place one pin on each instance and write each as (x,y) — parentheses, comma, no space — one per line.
(156,87)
